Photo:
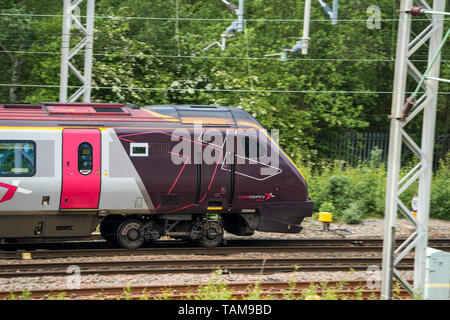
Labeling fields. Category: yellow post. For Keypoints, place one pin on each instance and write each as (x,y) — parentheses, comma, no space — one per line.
(326,218)
(24,256)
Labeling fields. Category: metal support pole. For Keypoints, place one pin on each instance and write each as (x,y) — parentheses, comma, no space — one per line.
(395,148)
(65,44)
(305,37)
(89,50)
(429,123)
(67,54)
(236,25)
(240,15)
(335,12)
(400,117)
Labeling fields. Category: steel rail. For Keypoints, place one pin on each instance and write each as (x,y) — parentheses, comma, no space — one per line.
(350,288)
(193,250)
(241,265)
(89,249)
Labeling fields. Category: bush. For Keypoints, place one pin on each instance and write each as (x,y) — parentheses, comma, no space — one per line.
(440,193)
(376,157)
(337,185)
(337,192)
(327,207)
(354,214)
(369,188)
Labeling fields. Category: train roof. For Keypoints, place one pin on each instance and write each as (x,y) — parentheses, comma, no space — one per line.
(117,115)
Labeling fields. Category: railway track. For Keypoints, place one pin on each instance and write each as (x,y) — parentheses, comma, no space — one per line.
(195,264)
(101,249)
(241,290)
(240,265)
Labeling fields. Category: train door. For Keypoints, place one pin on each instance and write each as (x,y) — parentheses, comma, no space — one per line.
(253,169)
(213,180)
(81,168)
(229,165)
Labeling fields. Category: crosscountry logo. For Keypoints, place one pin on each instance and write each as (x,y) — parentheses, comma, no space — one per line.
(11,190)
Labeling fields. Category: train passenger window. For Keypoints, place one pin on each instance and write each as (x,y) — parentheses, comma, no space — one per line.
(85,158)
(252,148)
(17,158)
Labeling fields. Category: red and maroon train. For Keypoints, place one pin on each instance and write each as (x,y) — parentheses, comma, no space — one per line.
(185,171)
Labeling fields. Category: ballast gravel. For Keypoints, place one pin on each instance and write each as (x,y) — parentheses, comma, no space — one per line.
(100,281)
(371,228)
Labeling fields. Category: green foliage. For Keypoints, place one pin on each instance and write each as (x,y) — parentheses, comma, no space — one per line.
(25,295)
(376,157)
(369,187)
(310,293)
(127,292)
(396,290)
(440,192)
(255,292)
(354,214)
(327,207)
(364,186)
(156,61)
(17,26)
(358,293)
(166,295)
(215,289)
(337,191)
(56,296)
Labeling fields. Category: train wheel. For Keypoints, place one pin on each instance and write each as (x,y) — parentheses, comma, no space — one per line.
(129,234)
(108,231)
(212,234)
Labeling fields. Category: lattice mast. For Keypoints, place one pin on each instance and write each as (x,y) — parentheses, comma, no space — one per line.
(70,18)
(403,111)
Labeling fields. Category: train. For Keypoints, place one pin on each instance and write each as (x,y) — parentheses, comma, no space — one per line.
(139,173)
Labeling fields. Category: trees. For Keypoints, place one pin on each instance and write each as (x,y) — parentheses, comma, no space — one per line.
(343,84)
(14,36)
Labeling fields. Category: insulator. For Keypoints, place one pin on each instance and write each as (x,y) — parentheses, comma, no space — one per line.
(232,7)
(417,11)
(326,9)
(232,28)
(407,108)
(297,47)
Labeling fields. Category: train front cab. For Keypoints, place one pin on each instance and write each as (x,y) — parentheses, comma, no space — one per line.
(270,192)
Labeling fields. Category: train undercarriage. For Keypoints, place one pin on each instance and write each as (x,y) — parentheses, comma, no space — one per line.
(131,232)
